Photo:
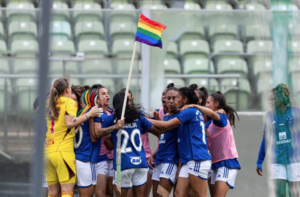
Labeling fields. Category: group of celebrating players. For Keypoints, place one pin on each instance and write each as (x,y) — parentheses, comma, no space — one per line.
(196,145)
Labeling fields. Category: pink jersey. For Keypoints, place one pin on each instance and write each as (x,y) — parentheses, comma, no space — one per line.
(146,145)
(104,150)
(221,143)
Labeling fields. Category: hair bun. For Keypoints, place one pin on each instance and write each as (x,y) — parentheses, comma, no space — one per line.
(193,87)
(170,85)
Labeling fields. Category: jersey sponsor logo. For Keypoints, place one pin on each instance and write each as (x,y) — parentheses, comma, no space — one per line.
(283,142)
(282,124)
(49,142)
(136,160)
(282,136)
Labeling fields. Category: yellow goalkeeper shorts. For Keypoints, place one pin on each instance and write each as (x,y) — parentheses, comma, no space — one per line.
(60,167)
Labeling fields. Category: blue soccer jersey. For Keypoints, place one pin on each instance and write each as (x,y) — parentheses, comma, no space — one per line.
(282,130)
(133,154)
(192,142)
(168,148)
(100,157)
(85,149)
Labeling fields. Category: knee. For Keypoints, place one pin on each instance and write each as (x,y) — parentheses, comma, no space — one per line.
(178,193)
(100,194)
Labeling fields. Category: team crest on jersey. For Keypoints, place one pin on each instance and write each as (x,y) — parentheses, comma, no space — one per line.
(49,142)
(136,160)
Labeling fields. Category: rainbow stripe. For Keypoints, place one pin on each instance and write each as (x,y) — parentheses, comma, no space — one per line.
(149,32)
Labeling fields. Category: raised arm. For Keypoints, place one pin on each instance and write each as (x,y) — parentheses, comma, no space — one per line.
(214,115)
(101,132)
(75,121)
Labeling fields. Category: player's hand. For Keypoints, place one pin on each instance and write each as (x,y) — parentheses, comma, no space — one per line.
(120,124)
(150,161)
(94,112)
(187,106)
(259,171)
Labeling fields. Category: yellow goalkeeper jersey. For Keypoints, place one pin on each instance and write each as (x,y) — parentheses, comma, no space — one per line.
(59,137)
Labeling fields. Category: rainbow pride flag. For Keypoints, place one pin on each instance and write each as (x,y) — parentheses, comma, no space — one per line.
(149,32)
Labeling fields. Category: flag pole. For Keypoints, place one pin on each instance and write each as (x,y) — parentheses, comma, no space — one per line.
(122,117)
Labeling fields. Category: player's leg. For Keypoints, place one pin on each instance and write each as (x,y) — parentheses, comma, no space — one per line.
(139,179)
(183,183)
(211,186)
(167,179)
(86,178)
(126,182)
(279,175)
(148,186)
(102,172)
(130,193)
(280,188)
(224,180)
(198,175)
(109,186)
(156,179)
(51,174)
(191,193)
(293,175)
(67,173)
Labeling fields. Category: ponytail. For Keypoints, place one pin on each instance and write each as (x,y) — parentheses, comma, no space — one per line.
(230,112)
(189,93)
(57,90)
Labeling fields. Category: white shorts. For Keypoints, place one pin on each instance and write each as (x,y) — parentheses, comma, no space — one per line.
(111,170)
(289,172)
(133,177)
(224,174)
(165,170)
(86,174)
(200,169)
(45,182)
(102,168)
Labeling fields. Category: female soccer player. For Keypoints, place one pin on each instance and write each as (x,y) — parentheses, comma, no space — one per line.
(166,160)
(192,144)
(85,151)
(60,165)
(134,164)
(147,148)
(281,132)
(104,155)
(221,144)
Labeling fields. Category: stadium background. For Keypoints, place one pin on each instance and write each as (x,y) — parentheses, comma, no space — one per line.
(222,45)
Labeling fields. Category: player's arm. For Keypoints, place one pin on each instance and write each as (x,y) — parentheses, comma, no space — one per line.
(261,157)
(160,127)
(72,121)
(101,132)
(92,130)
(150,161)
(108,143)
(215,116)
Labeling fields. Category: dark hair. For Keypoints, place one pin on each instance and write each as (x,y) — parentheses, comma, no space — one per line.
(57,90)
(36,102)
(230,112)
(78,90)
(124,90)
(97,86)
(171,87)
(282,92)
(203,95)
(189,93)
(132,111)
